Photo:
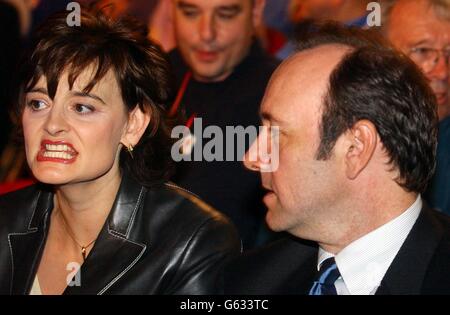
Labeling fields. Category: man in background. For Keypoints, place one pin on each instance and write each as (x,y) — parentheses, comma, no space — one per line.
(221,73)
(303,12)
(421,30)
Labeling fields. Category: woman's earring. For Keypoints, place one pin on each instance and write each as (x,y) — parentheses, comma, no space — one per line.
(130,150)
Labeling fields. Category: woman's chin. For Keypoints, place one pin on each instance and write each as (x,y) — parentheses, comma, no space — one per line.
(51,177)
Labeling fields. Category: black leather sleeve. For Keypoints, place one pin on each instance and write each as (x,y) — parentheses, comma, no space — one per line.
(214,244)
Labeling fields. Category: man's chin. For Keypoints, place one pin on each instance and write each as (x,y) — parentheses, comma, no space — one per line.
(208,71)
(272,224)
(443,107)
(209,74)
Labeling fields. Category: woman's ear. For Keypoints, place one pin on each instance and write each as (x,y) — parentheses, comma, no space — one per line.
(138,121)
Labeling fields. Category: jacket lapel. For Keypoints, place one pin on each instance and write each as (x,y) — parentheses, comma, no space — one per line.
(407,271)
(114,253)
(26,245)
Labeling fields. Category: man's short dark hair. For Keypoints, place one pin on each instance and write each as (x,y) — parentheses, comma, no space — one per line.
(376,82)
(140,68)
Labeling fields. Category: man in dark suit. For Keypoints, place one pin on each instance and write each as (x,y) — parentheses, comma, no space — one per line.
(356,142)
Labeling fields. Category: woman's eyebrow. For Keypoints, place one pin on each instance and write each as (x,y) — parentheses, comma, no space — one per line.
(85,94)
(40,90)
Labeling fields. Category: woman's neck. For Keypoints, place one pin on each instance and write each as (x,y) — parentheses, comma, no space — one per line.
(85,206)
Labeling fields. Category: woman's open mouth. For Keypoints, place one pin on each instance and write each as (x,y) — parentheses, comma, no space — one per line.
(57,151)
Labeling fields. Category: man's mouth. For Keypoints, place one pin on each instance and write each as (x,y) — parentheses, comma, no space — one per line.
(206,55)
(266,187)
(268,191)
(57,151)
(269,198)
(442,98)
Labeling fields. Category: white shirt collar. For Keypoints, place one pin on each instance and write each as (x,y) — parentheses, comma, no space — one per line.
(364,262)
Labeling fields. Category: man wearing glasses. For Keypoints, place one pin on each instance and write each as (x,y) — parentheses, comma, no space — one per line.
(421,29)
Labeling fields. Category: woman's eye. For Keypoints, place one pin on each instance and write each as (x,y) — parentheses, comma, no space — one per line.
(83,109)
(37,105)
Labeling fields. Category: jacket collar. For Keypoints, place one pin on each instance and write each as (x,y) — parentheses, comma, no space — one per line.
(407,272)
(113,254)
(27,242)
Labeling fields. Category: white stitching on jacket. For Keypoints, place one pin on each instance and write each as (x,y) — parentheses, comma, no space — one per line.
(12,256)
(34,211)
(133,216)
(144,247)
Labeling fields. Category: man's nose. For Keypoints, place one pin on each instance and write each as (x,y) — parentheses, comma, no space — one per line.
(263,154)
(251,158)
(207,29)
(56,122)
(440,71)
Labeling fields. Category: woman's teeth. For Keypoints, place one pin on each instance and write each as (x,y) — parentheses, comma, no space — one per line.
(59,155)
(60,151)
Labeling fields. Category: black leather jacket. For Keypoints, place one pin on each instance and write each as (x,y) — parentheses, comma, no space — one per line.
(155,241)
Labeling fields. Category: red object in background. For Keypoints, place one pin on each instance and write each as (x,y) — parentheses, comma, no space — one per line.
(276,41)
(16,185)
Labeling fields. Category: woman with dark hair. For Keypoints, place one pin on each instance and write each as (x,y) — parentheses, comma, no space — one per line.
(102,218)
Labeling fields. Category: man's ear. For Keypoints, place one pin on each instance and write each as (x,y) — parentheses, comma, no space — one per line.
(138,121)
(361,141)
(258,11)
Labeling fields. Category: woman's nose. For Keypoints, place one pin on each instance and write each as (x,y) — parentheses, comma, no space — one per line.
(56,122)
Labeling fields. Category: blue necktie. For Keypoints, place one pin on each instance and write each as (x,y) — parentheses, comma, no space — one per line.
(324,283)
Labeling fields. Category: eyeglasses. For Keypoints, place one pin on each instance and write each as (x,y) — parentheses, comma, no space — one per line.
(428,58)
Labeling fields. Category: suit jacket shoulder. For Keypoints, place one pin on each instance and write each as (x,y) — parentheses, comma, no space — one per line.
(422,265)
(286,266)
(17,208)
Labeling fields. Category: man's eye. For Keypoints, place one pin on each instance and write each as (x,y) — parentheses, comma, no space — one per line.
(226,15)
(447,52)
(37,105)
(190,12)
(422,51)
(83,109)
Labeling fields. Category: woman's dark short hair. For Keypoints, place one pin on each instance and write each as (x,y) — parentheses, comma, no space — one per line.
(140,67)
(377,83)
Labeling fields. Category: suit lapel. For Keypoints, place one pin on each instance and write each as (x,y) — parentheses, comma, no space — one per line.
(26,245)
(114,253)
(406,273)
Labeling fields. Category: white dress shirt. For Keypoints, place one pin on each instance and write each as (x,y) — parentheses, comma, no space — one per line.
(364,262)
(36,288)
